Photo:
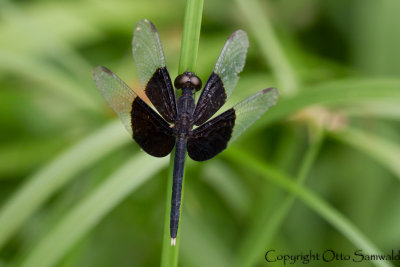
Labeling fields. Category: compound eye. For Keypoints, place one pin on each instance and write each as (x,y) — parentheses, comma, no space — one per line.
(180,81)
(196,82)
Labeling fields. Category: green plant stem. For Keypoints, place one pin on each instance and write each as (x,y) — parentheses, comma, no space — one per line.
(260,237)
(323,209)
(190,35)
(187,61)
(385,152)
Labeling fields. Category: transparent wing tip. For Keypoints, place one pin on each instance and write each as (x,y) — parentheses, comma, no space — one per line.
(242,35)
(144,23)
(238,33)
(99,71)
(272,92)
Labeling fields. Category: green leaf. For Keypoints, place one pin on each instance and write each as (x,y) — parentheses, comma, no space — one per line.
(269,45)
(260,237)
(46,74)
(41,185)
(333,93)
(29,28)
(88,212)
(383,151)
(322,208)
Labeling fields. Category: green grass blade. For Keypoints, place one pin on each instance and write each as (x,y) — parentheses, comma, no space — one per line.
(389,110)
(333,93)
(322,208)
(56,48)
(200,239)
(87,213)
(45,74)
(383,151)
(190,35)
(41,185)
(187,61)
(229,185)
(269,45)
(260,237)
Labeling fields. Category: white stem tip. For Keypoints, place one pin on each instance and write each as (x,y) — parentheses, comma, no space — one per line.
(173,242)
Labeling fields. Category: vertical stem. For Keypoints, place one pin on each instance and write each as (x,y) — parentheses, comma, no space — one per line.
(262,234)
(187,61)
(190,35)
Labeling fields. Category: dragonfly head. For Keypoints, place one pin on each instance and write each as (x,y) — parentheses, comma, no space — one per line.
(188,80)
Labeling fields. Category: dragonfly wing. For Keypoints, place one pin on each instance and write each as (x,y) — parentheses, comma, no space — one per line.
(251,109)
(224,77)
(152,70)
(149,130)
(211,138)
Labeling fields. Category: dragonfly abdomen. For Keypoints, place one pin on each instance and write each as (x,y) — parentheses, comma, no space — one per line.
(180,152)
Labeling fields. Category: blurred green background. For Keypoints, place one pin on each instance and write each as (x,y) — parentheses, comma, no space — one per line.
(319,171)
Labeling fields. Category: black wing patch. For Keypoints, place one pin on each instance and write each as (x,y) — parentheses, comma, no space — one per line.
(161,94)
(211,138)
(152,70)
(212,98)
(150,131)
(224,77)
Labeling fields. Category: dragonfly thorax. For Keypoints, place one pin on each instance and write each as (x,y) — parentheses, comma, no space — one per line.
(185,109)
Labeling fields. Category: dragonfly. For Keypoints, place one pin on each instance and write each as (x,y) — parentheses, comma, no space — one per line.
(159,121)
